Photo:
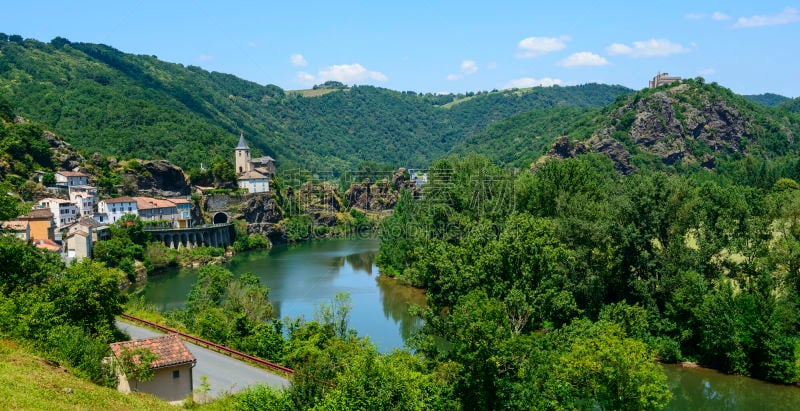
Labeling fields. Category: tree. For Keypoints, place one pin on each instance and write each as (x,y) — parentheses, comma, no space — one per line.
(136,364)
(88,295)
(604,369)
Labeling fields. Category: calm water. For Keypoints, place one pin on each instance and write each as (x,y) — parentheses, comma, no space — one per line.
(302,276)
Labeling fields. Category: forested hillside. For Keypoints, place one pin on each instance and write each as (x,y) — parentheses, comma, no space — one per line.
(102,99)
(683,126)
(767,99)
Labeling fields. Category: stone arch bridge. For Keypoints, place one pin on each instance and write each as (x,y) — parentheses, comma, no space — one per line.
(213,235)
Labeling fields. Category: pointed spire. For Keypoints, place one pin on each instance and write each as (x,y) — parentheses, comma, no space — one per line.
(242,144)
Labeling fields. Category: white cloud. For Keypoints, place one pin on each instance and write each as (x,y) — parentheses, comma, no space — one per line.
(536,46)
(788,15)
(298,60)
(695,16)
(706,71)
(583,58)
(349,73)
(527,82)
(252,44)
(719,16)
(468,68)
(649,48)
(304,78)
(491,66)
(206,57)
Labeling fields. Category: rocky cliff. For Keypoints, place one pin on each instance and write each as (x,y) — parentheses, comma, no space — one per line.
(381,195)
(158,179)
(681,124)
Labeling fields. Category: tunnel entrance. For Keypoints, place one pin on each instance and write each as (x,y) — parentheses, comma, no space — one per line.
(220,218)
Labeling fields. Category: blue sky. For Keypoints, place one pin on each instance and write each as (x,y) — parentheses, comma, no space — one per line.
(443,46)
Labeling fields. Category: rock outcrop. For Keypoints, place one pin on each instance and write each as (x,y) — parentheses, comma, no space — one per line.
(381,195)
(159,179)
(263,214)
(687,123)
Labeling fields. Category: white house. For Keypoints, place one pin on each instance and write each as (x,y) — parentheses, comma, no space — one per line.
(71,178)
(65,212)
(115,208)
(254,182)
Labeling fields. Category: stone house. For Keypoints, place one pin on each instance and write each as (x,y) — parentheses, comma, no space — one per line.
(172,379)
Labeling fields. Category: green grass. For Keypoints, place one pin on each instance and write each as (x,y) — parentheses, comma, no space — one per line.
(28,382)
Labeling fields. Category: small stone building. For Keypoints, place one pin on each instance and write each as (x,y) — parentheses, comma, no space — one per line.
(172,379)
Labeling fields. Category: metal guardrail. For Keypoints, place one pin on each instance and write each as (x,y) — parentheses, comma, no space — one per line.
(210,344)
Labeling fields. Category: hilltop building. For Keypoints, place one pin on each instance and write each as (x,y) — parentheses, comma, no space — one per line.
(662,79)
(252,174)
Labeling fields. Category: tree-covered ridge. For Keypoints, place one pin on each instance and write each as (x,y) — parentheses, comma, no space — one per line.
(767,99)
(682,126)
(101,99)
(791,105)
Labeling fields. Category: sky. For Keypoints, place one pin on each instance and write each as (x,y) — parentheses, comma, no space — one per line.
(443,46)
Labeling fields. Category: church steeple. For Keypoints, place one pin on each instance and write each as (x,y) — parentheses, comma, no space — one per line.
(242,155)
(242,144)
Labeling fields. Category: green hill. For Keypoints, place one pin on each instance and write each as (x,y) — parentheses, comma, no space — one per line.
(767,99)
(681,126)
(791,105)
(104,100)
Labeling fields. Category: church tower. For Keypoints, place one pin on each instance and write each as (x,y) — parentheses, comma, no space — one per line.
(242,156)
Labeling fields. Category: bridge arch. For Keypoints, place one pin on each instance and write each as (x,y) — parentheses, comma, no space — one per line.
(221,218)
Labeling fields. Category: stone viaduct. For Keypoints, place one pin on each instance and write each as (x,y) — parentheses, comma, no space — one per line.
(214,235)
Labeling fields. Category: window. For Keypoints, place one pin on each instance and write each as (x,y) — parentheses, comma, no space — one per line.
(176,374)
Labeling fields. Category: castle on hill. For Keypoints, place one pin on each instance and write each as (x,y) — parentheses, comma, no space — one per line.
(252,174)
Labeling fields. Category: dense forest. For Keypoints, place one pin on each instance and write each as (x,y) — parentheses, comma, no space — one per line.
(103,100)
(693,267)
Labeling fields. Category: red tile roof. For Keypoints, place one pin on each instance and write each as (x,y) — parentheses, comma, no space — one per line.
(169,349)
(120,200)
(38,213)
(47,244)
(15,225)
(72,174)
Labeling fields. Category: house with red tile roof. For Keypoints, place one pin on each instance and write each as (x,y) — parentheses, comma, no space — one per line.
(172,368)
(71,178)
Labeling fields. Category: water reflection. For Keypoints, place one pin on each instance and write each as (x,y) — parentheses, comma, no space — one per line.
(302,276)
(397,299)
(702,389)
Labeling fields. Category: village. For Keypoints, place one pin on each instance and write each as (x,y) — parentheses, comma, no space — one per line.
(74,218)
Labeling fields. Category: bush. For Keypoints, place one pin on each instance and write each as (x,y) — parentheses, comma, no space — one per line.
(75,347)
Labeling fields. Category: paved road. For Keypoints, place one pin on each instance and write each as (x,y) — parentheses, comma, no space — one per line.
(224,373)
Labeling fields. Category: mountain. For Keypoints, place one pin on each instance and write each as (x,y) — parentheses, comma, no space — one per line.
(791,105)
(104,100)
(684,125)
(767,99)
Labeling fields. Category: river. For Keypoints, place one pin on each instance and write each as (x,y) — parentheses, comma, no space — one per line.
(302,276)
